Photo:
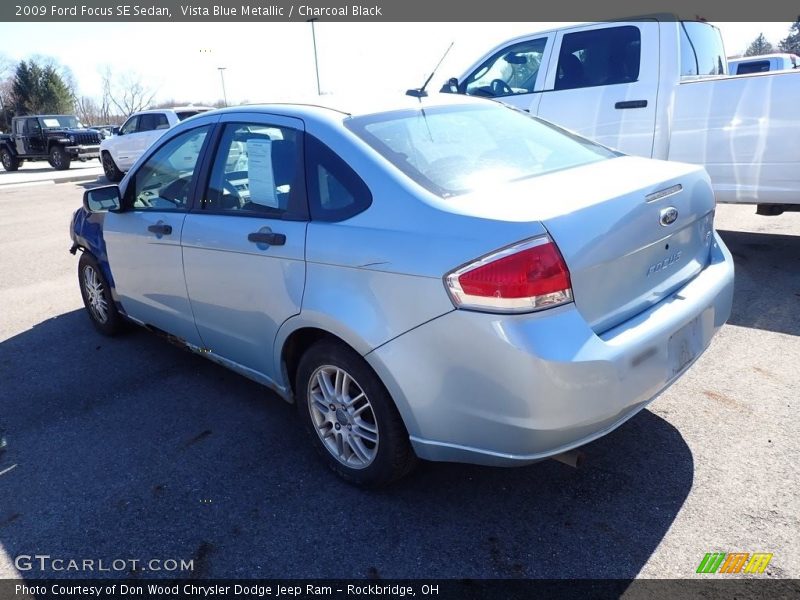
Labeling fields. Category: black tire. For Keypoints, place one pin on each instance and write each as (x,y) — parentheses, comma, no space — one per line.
(393,456)
(59,158)
(110,322)
(110,168)
(10,162)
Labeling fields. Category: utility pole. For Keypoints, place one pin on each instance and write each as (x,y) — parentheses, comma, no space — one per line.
(316,62)
(222,77)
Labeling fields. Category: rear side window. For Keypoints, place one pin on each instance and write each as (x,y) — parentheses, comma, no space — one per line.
(758,66)
(702,51)
(595,57)
(151,121)
(335,191)
(256,172)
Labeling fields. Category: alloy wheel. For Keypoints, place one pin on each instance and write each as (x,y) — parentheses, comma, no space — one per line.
(343,416)
(95,294)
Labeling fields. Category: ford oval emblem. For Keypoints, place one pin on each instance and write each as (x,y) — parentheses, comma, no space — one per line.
(668,216)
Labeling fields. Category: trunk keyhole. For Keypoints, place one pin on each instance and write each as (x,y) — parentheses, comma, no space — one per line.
(666,247)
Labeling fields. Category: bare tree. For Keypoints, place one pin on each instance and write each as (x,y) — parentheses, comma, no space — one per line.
(87,111)
(127,93)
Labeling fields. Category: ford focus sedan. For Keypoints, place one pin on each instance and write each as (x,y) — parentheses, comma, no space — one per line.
(445,279)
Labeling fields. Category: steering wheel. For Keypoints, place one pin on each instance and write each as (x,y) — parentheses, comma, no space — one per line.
(501,88)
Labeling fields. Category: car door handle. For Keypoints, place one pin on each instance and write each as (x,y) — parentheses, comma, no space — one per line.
(160,229)
(631,104)
(262,237)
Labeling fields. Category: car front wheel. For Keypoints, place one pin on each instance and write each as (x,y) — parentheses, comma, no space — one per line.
(110,168)
(350,416)
(97,298)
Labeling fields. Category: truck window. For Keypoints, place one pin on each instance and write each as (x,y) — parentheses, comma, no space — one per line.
(757,66)
(130,125)
(32,127)
(702,51)
(599,57)
(512,70)
(151,121)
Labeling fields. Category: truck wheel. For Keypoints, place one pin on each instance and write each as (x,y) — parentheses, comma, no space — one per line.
(10,163)
(110,168)
(59,159)
(350,416)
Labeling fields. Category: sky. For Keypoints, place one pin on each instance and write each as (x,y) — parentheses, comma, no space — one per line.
(275,61)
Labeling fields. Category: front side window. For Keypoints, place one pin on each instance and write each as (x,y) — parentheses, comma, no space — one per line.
(607,56)
(256,171)
(130,125)
(456,149)
(511,71)
(702,51)
(32,126)
(163,182)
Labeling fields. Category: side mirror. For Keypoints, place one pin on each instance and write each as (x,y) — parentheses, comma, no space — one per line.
(451,87)
(115,131)
(102,199)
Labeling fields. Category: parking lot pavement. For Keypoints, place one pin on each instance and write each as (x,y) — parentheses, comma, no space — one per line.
(132,448)
(37,173)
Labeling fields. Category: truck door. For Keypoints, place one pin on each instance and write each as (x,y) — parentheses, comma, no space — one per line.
(512,74)
(603,83)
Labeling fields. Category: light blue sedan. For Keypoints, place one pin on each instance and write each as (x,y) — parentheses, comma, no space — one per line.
(439,278)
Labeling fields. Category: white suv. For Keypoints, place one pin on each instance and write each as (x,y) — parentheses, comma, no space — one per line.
(119,152)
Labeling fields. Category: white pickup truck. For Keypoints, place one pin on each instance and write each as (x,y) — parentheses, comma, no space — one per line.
(659,88)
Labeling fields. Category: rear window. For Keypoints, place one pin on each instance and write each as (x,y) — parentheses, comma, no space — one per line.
(185,114)
(452,150)
(758,66)
(702,51)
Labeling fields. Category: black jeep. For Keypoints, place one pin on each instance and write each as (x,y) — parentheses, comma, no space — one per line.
(56,138)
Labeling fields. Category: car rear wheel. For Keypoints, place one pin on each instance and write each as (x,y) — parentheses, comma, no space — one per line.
(10,163)
(97,298)
(110,168)
(351,417)
(59,159)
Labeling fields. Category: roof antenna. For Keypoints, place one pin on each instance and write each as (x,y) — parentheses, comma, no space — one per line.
(420,92)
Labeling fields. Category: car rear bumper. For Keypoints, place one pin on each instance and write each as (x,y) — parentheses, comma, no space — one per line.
(514,389)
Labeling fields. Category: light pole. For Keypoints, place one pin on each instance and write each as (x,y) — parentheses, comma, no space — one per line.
(222,77)
(316,63)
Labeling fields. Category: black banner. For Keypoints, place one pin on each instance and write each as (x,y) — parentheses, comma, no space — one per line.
(448,589)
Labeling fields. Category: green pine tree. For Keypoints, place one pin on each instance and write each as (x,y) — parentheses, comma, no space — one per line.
(40,90)
(791,43)
(759,46)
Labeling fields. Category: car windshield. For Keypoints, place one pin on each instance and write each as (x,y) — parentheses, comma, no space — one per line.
(60,121)
(452,150)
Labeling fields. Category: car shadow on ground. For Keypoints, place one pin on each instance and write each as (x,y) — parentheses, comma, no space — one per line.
(767,288)
(132,448)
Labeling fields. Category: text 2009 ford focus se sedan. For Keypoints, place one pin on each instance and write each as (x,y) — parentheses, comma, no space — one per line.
(448,278)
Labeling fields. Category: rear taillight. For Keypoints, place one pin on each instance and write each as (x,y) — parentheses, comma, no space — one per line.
(525,277)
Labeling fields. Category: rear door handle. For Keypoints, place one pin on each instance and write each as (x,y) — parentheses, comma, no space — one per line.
(160,229)
(631,104)
(273,239)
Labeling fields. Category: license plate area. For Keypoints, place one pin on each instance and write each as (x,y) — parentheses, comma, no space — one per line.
(684,346)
